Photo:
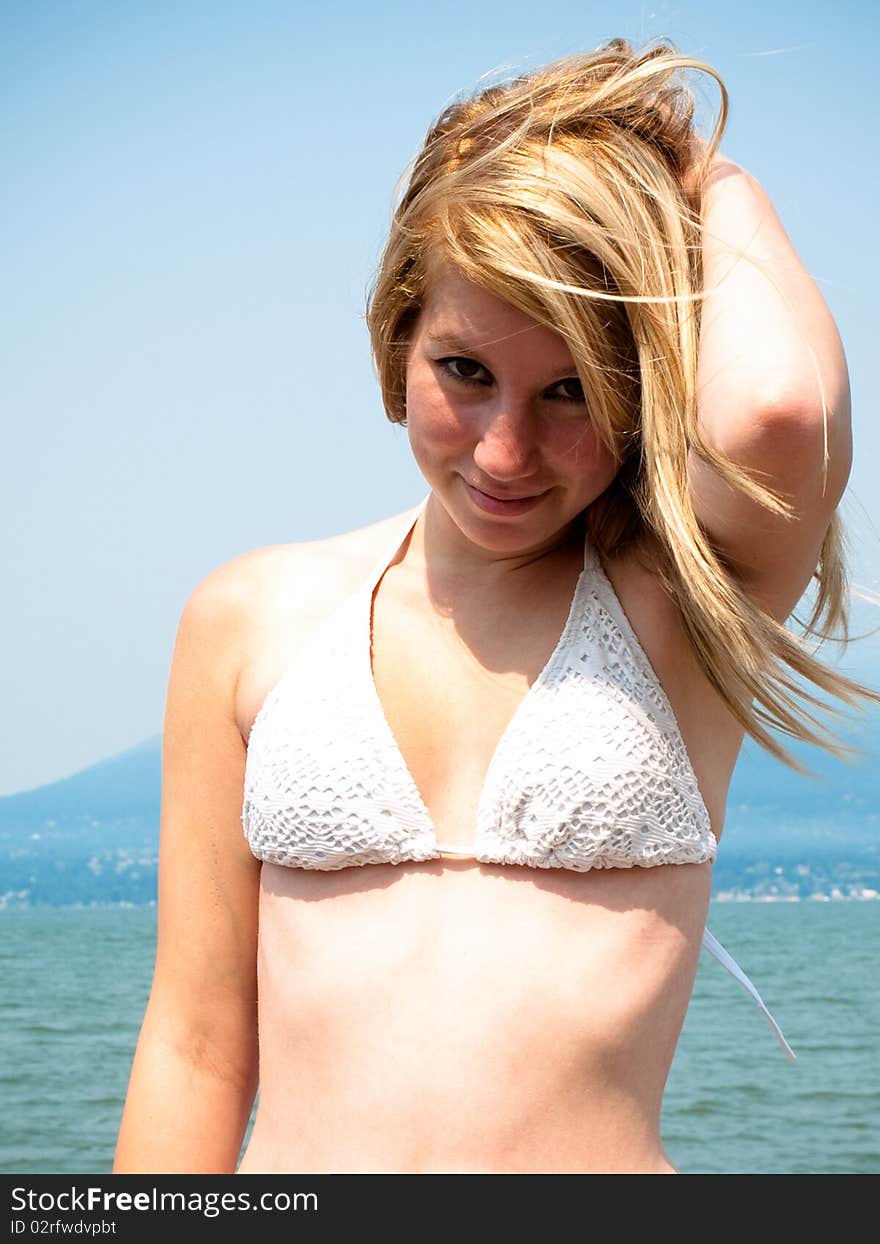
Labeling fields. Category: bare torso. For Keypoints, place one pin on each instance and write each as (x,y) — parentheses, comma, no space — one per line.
(447,1015)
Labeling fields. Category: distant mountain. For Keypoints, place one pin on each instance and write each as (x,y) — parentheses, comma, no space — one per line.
(770,805)
(89,838)
(125,785)
(93,836)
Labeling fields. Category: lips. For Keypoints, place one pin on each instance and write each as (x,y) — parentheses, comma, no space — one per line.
(492,503)
(505,496)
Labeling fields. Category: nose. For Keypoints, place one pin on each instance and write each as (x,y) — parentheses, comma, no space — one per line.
(508,448)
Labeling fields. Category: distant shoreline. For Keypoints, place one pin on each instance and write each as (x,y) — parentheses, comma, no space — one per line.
(867,895)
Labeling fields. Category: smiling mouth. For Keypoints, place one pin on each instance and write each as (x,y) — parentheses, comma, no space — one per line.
(526,496)
(491,503)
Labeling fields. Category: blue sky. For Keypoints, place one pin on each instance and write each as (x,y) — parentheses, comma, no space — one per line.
(196,198)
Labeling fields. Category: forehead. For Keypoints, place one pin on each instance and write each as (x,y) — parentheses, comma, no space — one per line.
(459,312)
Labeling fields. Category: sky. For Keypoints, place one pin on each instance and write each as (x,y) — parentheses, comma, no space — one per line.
(196,199)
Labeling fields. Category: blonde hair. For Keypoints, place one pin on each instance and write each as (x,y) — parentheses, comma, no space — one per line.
(571,193)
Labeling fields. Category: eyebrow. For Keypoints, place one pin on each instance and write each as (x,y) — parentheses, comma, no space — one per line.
(456,342)
(451,340)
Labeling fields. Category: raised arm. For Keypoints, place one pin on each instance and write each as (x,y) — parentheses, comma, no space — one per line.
(769,353)
(194,1073)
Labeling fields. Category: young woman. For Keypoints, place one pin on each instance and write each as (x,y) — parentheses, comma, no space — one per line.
(481,750)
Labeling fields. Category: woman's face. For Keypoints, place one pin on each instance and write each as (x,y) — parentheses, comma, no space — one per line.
(497,418)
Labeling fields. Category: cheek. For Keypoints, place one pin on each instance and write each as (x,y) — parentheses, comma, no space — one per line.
(577,445)
(433,421)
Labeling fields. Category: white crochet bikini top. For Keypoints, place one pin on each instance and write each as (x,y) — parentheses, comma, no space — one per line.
(590,772)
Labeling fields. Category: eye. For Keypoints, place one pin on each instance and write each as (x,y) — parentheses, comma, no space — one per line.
(468,371)
(464,370)
(575,390)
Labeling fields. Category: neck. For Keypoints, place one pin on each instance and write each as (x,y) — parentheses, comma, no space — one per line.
(439,549)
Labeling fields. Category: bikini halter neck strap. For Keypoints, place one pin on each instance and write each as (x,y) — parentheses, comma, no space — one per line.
(381,564)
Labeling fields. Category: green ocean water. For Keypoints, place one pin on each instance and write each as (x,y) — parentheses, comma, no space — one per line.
(75,984)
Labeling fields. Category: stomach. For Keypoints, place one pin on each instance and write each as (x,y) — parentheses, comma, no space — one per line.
(449,1016)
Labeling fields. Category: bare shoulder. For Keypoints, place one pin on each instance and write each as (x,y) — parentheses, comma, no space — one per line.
(281,593)
(303,576)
